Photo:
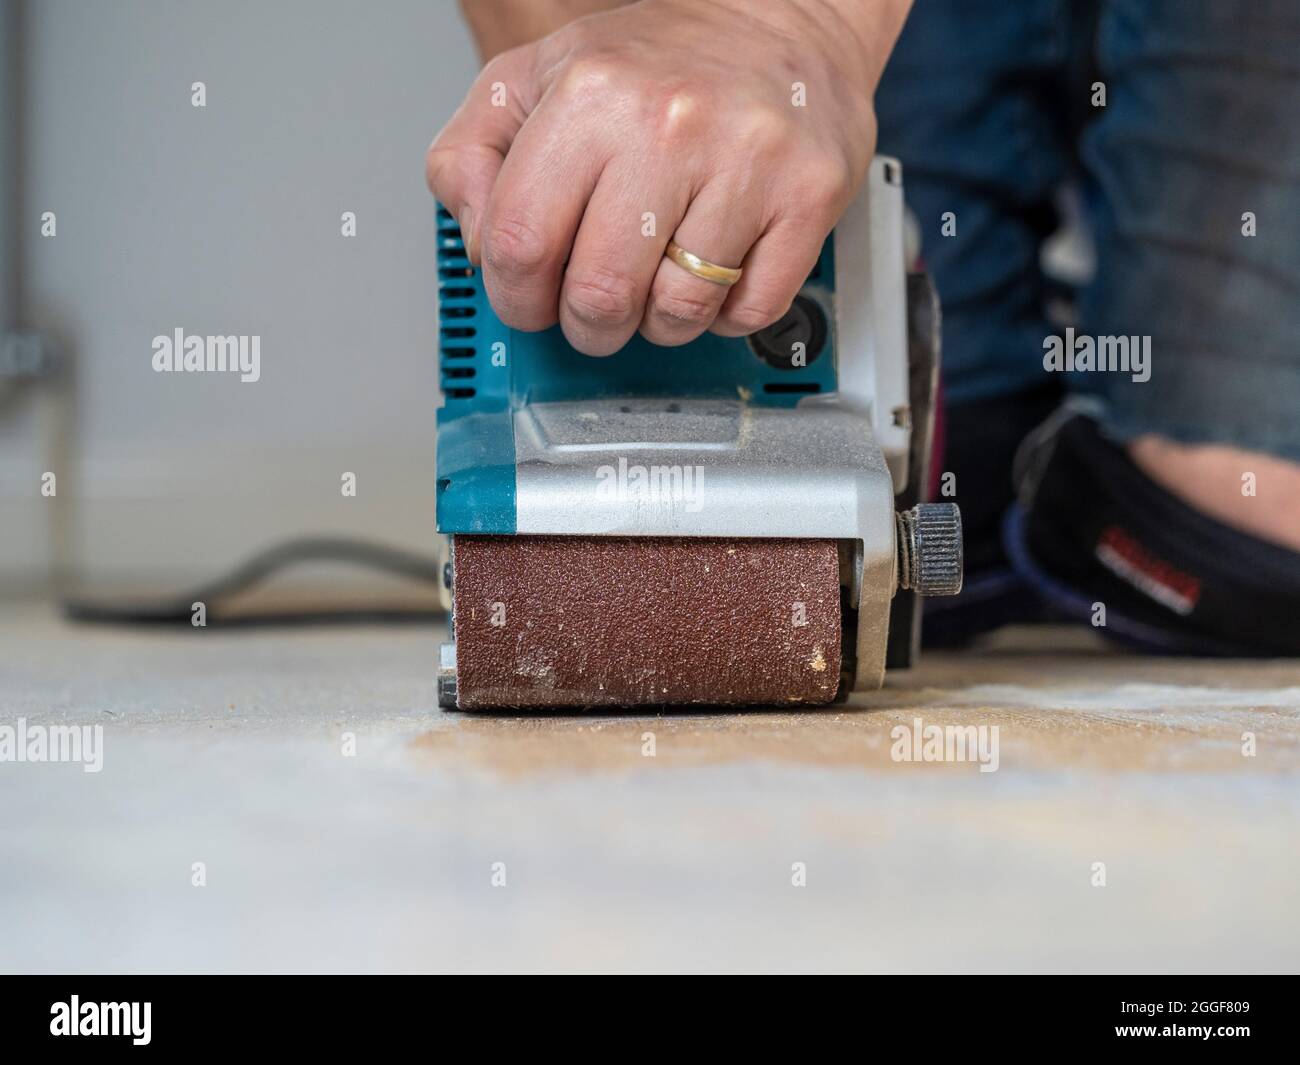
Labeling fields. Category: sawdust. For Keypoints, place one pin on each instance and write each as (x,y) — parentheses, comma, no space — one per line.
(1060,701)
(855,737)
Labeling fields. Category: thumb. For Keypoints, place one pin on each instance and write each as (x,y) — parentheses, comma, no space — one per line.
(461,164)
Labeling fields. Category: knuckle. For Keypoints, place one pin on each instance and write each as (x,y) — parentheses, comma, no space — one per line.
(515,245)
(764,130)
(601,296)
(435,163)
(448,167)
(826,182)
(588,77)
(677,309)
(679,115)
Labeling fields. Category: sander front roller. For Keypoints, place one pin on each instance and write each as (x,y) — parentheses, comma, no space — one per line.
(731,522)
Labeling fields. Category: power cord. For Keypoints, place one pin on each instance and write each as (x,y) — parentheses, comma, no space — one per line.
(178,609)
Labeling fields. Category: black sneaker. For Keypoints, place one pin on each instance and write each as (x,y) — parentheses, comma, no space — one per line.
(1103,543)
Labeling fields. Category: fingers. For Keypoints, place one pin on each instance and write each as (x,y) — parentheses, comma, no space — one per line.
(554,210)
(462,163)
(720,227)
(616,253)
(775,270)
(533,214)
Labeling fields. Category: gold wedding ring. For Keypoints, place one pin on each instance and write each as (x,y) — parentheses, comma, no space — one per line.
(706,271)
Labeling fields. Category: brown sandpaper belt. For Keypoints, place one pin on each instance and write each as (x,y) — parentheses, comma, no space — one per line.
(620,621)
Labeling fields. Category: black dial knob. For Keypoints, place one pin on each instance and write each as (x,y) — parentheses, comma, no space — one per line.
(804,323)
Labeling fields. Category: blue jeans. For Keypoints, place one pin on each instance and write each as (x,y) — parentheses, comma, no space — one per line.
(989,105)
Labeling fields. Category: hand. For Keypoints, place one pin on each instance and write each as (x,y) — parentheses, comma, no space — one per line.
(741,130)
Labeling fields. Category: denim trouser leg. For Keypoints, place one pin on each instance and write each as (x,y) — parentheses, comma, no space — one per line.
(974,104)
(1201,128)
(983,102)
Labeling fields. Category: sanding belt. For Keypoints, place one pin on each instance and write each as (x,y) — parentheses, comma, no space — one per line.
(620,621)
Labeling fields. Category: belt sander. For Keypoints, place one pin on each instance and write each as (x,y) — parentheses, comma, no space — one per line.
(734,521)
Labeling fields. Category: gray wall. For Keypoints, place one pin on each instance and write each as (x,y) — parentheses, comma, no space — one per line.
(9,81)
(226,220)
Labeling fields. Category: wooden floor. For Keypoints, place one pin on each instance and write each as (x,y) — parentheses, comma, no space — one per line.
(768,840)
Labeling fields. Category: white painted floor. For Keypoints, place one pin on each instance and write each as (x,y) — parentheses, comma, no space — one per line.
(227,749)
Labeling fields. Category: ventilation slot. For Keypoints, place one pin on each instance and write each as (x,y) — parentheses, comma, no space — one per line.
(458,291)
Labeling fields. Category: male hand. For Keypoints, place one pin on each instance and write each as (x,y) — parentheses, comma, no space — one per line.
(741,130)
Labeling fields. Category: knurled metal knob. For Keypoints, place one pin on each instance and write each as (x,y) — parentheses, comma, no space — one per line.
(929,549)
